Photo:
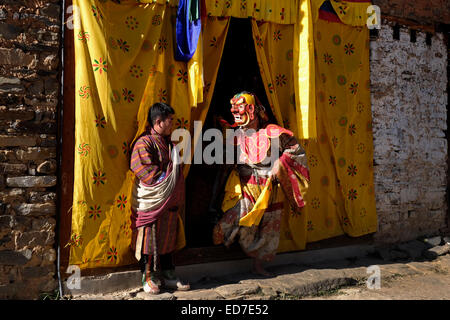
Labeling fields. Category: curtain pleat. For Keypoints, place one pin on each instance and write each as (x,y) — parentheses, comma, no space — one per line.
(341,197)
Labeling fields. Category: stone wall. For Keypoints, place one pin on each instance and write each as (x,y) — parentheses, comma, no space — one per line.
(30,33)
(409,107)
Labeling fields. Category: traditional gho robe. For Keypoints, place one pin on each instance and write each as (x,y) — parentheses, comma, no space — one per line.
(158,196)
(254,200)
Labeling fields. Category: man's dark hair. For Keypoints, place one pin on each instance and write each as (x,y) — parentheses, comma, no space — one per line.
(159,110)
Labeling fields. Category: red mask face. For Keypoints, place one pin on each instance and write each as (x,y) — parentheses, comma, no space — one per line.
(243,109)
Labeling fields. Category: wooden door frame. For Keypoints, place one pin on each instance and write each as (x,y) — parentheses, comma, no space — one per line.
(66,140)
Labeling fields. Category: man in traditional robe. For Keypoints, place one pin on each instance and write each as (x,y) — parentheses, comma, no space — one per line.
(256,188)
(157,201)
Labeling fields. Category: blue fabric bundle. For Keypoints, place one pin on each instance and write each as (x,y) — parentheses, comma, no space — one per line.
(188,27)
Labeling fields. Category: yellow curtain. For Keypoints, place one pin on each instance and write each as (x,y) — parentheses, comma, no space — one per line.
(124,63)
(349,12)
(341,198)
(352,13)
(296,17)
(304,72)
(279,11)
(274,51)
(341,195)
(214,36)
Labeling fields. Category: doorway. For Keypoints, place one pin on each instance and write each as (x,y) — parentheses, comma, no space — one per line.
(238,71)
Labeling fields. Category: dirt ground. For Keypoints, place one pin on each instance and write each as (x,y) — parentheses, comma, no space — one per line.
(419,279)
(433,285)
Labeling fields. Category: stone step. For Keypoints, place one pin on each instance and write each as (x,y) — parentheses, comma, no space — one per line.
(196,273)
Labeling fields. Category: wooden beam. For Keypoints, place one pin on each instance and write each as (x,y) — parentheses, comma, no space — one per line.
(67,143)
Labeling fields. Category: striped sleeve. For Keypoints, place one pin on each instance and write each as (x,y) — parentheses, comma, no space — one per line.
(144,162)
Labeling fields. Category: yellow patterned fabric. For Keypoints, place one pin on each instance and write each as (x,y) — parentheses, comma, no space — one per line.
(262,203)
(124,63)
(304,72)
(172,3)
(315,6)
(279,11)
(232,191)
(299,32)
(340,198)
(352,13)
(274,51)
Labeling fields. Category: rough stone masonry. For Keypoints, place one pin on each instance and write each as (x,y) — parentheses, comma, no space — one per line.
(30,36)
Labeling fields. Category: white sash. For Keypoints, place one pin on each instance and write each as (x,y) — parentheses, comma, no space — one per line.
(151,198)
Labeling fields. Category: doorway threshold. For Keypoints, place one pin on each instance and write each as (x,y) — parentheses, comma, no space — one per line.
(131,279)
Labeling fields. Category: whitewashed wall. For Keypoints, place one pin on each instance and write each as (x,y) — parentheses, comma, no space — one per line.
(409,107)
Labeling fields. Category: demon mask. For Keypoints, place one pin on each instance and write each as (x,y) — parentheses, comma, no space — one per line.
(243,108)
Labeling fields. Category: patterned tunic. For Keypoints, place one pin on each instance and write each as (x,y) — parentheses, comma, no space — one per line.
(259,240)
(150,157)
(149,161)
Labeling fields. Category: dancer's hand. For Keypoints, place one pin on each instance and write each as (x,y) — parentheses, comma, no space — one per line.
(275,169)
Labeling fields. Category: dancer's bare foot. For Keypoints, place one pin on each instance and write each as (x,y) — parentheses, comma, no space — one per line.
(259,270)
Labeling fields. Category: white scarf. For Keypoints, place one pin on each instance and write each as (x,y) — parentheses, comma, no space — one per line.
(147,198)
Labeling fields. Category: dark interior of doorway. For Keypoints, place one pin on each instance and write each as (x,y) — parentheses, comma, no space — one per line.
(238,71)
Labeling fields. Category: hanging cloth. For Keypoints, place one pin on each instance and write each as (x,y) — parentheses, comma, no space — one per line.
(188,27)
